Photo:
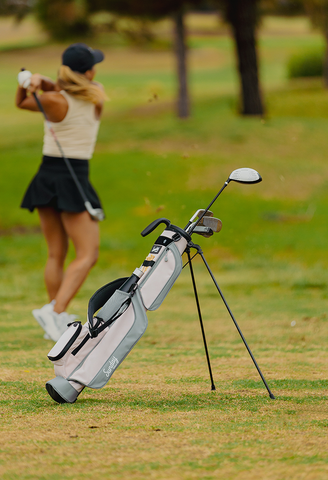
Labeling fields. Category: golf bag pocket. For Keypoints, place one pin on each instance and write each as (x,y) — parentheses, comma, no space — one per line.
(161,277)
(72,348)
(66,342)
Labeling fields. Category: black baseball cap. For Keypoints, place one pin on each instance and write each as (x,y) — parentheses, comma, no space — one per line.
(80,58)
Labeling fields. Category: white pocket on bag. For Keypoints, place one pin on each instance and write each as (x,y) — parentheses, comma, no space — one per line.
(65,342)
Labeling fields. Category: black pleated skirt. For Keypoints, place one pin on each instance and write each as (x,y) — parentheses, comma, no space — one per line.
(54,187)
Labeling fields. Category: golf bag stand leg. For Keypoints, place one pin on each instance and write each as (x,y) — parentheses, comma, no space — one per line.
(200,252)
(200,318)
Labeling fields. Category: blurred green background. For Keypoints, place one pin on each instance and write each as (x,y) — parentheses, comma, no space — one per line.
(148,163)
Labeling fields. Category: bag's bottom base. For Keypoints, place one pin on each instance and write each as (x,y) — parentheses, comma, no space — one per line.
(61,390)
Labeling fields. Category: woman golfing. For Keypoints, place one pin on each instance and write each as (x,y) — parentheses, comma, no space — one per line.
(73,104)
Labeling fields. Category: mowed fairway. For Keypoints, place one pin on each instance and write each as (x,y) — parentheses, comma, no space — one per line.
(157,417)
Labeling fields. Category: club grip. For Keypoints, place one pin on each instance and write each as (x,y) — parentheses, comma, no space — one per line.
(151,227)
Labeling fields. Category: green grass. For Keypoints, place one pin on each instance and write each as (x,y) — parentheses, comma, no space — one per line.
(158,417)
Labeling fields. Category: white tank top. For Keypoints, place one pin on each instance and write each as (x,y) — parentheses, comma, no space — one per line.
(77,133)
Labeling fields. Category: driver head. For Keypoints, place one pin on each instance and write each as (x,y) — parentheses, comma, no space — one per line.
(245,175)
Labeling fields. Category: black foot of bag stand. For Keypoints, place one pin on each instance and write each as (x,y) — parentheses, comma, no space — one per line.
(200,252)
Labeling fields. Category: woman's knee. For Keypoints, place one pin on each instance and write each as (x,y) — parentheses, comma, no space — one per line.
(57,256)
(89,257)
(94,257)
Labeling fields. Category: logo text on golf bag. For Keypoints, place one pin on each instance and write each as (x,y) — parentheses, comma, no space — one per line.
(113,362)
(155,249)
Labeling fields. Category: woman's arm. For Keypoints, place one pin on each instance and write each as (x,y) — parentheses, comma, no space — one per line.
(54,104)
(99,106)
(37,82)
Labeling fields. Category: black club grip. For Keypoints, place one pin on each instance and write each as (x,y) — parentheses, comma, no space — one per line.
(151,227)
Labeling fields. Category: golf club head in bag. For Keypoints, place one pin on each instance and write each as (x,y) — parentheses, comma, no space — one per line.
(240,175)
(245,175)
(207,225)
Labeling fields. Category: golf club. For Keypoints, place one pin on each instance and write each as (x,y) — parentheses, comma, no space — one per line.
(207,225)
(207,221)
(241,175)
(95,213)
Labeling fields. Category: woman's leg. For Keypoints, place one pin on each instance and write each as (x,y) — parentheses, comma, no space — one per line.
(84,233)
(57,242)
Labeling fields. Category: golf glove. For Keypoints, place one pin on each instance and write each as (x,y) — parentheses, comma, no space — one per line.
(24,78)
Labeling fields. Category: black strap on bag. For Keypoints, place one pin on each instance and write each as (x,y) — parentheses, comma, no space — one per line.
(98,300)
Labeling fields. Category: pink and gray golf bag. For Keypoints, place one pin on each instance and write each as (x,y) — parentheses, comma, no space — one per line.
(88,355)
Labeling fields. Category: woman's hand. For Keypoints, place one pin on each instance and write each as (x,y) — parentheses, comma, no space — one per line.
(54,104)
(35,83)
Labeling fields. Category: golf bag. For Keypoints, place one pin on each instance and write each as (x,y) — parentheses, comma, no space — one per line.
(88,355)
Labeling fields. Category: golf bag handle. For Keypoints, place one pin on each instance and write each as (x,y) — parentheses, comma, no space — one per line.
(153,225)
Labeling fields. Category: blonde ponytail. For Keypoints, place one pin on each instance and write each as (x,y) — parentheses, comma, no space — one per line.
(79,86)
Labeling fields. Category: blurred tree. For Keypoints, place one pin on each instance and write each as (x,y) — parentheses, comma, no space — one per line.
(64,19)
(243,15)
(282,7)
(318,13)
(156,10)
(18,8)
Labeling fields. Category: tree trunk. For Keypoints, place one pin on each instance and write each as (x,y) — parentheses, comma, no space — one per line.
(242,15)
(183,103)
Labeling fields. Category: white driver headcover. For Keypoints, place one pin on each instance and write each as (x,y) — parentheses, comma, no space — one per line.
(24,78)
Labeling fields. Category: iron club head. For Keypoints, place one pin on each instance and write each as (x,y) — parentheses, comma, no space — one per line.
(95,213)
(213,223)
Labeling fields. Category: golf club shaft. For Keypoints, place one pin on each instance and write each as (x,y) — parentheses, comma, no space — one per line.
(200,319)
(67,162)
(206,210)
(237,326)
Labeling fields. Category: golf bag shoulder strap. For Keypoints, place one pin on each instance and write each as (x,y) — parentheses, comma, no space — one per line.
(97,324)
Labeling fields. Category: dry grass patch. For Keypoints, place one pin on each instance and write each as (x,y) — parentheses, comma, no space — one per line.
(157,417)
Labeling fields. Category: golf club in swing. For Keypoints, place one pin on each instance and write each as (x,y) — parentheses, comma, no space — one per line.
(95,213)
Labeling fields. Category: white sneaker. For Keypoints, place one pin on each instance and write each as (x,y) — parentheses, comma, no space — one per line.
(37,313)
(53,323)
(47,319)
